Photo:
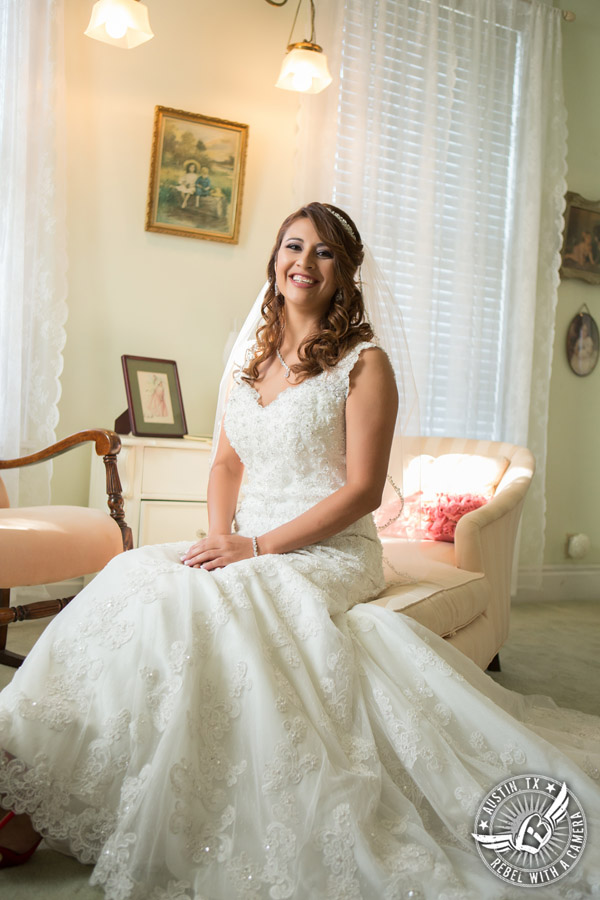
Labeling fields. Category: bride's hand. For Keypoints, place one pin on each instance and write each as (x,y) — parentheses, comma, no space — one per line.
(218,550)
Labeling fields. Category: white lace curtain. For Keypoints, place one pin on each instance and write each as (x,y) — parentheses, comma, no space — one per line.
(444,135)
(32,236)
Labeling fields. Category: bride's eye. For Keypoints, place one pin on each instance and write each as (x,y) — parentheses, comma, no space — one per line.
(293,246)
(325,253)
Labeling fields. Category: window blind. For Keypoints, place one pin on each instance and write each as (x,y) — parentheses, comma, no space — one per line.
(432,142)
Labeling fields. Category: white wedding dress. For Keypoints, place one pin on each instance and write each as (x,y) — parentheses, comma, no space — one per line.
(263,732)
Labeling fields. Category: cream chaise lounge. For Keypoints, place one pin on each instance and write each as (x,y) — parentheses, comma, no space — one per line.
(461,590)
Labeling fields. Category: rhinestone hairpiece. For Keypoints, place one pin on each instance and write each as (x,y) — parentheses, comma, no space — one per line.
(341,219)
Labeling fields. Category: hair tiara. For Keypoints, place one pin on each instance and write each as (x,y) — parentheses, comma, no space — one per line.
(341,219)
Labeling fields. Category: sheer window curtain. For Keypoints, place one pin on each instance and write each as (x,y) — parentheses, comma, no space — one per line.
(444,134)
(32,236)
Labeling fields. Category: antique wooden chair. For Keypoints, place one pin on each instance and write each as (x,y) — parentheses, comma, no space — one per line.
(47,544)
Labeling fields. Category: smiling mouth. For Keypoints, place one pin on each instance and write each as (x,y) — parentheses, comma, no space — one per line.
(301,279)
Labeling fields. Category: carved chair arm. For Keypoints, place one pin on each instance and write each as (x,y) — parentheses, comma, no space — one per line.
(108,445)
(107,442)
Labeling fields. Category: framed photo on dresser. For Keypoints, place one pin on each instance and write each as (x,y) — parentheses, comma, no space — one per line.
(154,403)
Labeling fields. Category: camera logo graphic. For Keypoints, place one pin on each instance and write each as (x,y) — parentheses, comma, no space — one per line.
(530,830)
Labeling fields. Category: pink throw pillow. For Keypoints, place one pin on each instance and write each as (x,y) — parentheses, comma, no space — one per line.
(441,516)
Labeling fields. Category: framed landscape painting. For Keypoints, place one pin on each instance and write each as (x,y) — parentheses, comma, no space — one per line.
(196,176)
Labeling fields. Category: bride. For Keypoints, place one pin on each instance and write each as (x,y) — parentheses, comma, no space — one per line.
(230,719)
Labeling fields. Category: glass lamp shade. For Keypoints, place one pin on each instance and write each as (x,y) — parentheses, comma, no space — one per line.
(122,23)
(304,69)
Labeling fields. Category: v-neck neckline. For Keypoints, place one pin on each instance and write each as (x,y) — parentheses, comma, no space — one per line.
(293,387)
(259,399)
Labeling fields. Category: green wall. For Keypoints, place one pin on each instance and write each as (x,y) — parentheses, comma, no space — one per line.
(572,483)
(146,294)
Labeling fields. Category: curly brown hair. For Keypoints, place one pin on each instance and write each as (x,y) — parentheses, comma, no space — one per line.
(343,325)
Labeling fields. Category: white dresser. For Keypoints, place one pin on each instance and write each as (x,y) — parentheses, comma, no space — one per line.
(164,487)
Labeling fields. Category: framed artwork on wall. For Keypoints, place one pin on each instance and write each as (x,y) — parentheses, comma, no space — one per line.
(154,404)
(581,239)
(583,342)
(196,176)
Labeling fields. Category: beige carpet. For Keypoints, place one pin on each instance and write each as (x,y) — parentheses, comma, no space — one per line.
(552,649)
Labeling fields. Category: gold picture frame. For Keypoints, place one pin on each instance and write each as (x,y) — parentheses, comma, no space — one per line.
(196,176)
(580,256)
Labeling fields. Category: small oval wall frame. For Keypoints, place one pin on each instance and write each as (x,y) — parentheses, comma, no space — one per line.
(583,343)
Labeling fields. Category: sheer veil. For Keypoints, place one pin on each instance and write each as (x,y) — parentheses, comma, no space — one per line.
(385,317)
(242,346)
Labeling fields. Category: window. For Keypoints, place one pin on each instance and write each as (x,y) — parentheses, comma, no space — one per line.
(427,126)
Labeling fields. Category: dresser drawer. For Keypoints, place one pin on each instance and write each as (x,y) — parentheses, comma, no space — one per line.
(164,487)
(163,521)
(175,474)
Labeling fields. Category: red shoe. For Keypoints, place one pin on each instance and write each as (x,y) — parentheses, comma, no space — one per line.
(11,857)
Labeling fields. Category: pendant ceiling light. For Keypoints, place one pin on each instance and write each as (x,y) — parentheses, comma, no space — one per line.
(122,23)
(304,66)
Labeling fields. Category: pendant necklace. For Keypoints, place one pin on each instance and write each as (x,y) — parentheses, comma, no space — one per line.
(283,363)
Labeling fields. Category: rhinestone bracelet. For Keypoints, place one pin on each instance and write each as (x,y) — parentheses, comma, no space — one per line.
(255,546)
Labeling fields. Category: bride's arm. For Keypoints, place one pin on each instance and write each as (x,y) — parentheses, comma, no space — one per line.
(222,494)
(370,417)
(223,486)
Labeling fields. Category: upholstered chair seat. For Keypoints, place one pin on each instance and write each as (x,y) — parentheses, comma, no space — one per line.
(51,544)
(45,544)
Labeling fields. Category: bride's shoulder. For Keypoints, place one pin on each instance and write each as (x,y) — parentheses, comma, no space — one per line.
(357,353)
(365,360)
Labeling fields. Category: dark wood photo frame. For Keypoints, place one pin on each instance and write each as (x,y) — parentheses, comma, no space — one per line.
(154,403)
(581,240)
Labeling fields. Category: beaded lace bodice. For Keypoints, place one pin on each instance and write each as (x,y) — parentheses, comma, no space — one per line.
(293,449)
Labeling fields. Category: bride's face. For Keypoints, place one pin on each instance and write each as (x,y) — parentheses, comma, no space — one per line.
(305,268)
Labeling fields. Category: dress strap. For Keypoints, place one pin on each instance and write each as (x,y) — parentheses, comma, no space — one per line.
(347,363)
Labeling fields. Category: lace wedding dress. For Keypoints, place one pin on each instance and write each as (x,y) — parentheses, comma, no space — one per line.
(260,731)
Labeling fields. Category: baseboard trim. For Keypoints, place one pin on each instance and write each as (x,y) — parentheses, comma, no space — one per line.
(559,583)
